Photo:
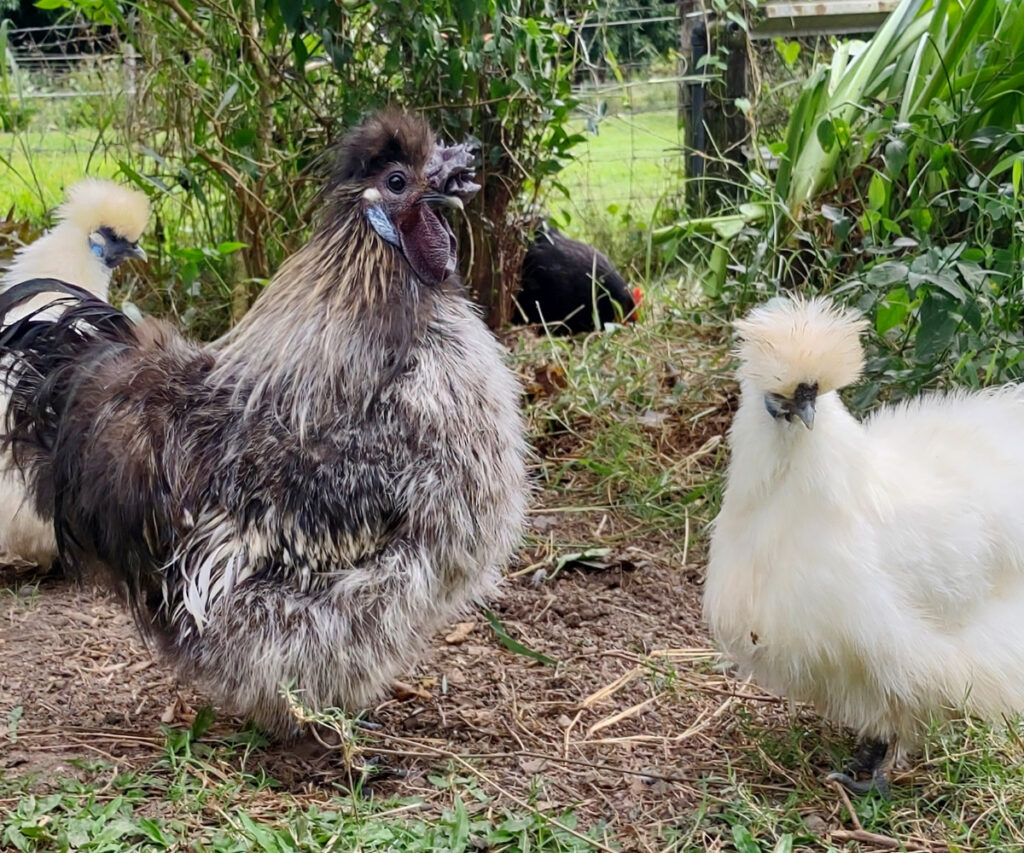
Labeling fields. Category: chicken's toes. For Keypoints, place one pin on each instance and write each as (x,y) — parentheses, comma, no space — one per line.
(879,781)
(373,771)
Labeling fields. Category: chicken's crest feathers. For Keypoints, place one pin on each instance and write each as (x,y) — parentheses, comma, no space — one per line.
(94,203)
(790,341)
(391,136)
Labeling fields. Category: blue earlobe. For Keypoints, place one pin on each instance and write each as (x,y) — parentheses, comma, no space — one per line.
(96,249)
(382,224)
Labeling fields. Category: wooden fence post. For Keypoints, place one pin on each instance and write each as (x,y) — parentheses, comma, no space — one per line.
(714,127)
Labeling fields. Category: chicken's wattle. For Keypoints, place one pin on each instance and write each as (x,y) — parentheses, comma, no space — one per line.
(428,244)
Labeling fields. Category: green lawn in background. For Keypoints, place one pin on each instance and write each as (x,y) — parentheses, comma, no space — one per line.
(36,166)
(632,162)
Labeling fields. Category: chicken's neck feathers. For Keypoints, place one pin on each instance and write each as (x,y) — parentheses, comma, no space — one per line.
(340,318)
(62,253)
(769,453)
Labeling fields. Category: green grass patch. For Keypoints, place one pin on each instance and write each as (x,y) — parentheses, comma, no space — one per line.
(196,798)
(966,792)
(630,167)
(119,816)
(637,424)
(37,165)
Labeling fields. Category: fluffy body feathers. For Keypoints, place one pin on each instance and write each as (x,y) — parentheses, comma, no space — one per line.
(305,502)
(566,282)
(65,253)
(874,569)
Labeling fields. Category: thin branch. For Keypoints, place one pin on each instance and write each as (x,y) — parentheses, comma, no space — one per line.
(186,18)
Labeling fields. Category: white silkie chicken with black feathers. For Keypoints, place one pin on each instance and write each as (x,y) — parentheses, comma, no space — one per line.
(98,228)
(874,569)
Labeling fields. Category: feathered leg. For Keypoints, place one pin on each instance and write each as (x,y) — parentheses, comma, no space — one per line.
(873,759)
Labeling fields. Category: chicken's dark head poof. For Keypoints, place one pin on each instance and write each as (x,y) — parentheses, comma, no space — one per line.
(406,181)
(114,248)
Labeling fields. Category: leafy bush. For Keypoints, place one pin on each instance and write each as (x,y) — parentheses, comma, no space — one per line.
(238,101)
(899,189)
(14,111)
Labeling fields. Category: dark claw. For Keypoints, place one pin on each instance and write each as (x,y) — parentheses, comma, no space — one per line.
(878,782)
(376,770)
(869,756)
(872,759)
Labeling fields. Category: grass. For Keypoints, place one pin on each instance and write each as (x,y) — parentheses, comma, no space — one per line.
(191,804)
(621,174)
(198,795)
(36,166)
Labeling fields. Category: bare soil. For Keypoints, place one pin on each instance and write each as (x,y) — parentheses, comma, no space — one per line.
(636,728)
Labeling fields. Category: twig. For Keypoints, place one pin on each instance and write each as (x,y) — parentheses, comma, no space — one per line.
(845,797)
(621,715)
(865,837)
(189,22)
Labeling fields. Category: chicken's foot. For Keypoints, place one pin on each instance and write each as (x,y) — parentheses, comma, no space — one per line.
(872,759)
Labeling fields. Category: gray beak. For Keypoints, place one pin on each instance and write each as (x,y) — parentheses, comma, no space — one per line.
(805,411)
(801,405)
(441,200)
(136,251)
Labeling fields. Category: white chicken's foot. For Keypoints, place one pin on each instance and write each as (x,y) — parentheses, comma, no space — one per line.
(873,759)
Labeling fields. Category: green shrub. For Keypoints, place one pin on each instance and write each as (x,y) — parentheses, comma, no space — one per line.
(898,189)
(237,101)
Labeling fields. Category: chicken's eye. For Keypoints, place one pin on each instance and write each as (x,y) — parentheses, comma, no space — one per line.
(396,182)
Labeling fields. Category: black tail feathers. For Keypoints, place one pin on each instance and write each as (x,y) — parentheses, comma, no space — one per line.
(18,293)
(42,359)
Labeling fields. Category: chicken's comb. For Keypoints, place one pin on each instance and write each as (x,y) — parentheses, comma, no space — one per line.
(450,170)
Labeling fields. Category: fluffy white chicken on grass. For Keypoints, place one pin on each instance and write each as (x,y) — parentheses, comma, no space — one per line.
(98,227)
(874,569)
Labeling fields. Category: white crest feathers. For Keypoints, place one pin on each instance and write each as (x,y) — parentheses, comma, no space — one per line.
(95,202)
(789,341)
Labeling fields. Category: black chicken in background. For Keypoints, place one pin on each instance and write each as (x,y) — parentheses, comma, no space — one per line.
(303,503)
(566,282)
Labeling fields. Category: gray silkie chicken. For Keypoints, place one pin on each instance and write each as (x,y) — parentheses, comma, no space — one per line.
(303,503)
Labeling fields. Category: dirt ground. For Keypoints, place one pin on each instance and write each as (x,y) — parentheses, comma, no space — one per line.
(636,728)
(631,728)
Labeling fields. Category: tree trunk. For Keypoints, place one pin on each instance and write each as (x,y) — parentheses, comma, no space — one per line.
(491,253)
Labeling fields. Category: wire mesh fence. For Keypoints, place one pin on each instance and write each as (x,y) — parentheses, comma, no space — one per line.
(62,84)
(61,89)
(627,86)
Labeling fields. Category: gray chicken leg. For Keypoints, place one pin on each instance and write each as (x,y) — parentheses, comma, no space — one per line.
(872,759)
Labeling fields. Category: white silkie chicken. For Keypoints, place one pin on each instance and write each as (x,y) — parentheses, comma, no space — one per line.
(874,569)
(98,227)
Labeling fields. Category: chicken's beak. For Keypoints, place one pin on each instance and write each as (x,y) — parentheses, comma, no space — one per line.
(805,411)
(436,199)
(801,405)
(638,298)
(136,251)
